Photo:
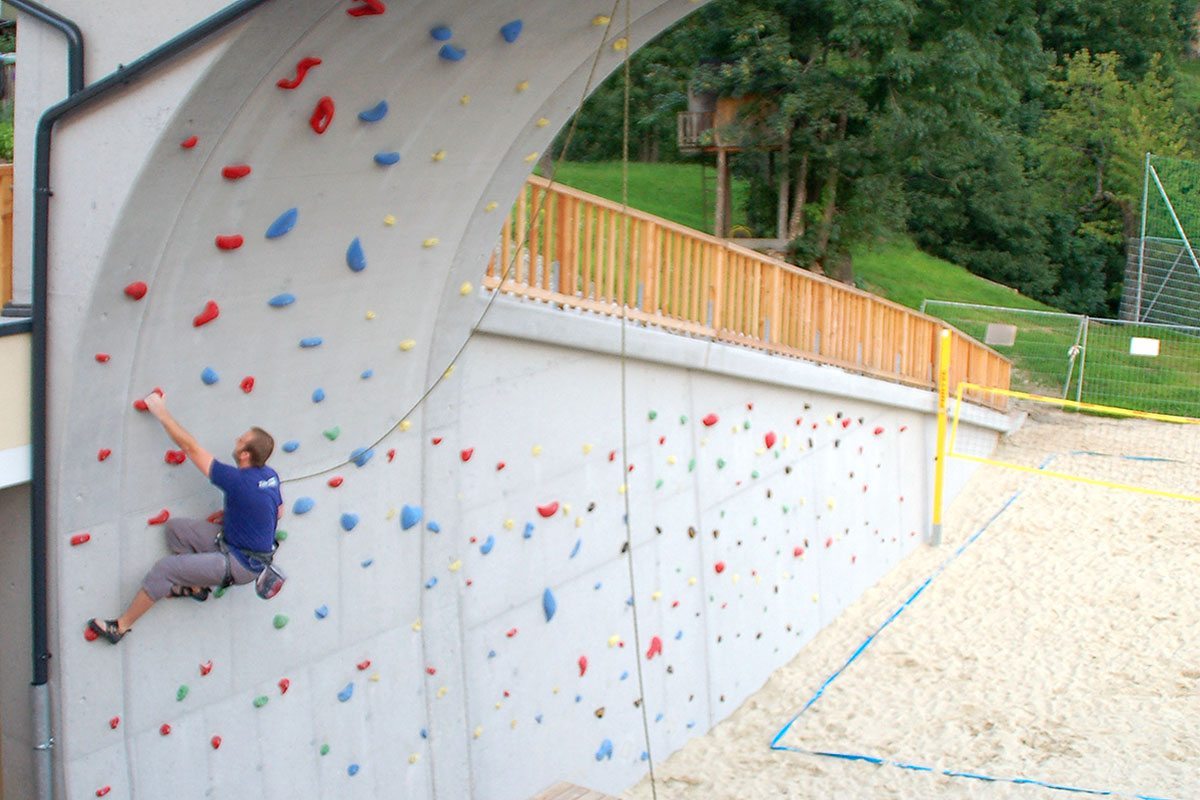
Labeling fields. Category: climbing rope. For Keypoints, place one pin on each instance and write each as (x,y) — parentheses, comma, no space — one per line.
(445,373)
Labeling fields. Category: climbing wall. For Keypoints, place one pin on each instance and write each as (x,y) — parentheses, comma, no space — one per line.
(302,251)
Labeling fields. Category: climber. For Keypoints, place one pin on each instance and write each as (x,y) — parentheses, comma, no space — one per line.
(203,554)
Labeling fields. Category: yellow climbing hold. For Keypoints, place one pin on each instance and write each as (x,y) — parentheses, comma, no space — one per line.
(416,626)
(509,524)
(522,86)
(532,157)
(587,448)
(671,460)
(537,450)
(513,724)
(614,640)
(829,420)
(621,489)
(408,344)
(405,424)
(786,442)
(389,220)
(442,692)
(391,513)
(439,155)
(620,44)
(478,731)
(455,566)
(656,595)
(692,581)
(465,99)
(370,314)
(600,20)
(491,206)
(374,677)
(579,522)
(704,442)
(414,758)
(566,509)
(816,598)
(499,705)
(542,122)
(759,451)
(465,288)
(830,503)
(736,577)
(432,241)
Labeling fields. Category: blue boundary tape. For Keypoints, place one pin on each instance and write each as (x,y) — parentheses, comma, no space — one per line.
(878,761)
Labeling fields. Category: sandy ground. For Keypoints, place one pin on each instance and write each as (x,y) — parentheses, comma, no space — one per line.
(1063,645)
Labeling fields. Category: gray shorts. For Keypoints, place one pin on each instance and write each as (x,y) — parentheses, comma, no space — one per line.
(197,561)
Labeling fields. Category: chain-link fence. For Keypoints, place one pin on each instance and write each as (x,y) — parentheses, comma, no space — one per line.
(1144,366)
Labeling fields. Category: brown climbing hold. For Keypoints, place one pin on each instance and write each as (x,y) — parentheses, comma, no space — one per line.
(136,290)
(190,142)
(549,509)
(103,454)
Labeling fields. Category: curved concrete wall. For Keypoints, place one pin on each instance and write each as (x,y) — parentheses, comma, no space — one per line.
(420,661)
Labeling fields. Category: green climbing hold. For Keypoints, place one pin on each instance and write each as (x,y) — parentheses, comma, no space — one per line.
(261,701)
(280,621)
(658,484)
(181,693)
(653,414)
(720,463)
(746,425)
(683,419)
(219,591)
(332,433)
(281,535)
(754,474)
(324,749)
(785,509)
(754,521)
(691,465)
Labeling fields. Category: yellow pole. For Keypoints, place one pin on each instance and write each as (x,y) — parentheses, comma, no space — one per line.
(939,458)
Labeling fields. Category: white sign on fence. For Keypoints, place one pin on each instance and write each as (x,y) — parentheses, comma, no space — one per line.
(1139,346)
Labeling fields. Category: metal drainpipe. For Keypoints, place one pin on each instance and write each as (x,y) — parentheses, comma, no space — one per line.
(39,510)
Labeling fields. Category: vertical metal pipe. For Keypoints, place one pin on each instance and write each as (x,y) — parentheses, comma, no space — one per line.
(1137,312)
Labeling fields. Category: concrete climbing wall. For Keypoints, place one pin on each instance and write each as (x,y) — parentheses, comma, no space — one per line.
(301,250)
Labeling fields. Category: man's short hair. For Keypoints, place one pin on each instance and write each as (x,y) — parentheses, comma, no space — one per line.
(260,446)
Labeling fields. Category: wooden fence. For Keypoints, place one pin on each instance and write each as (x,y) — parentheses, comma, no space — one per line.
(585,252)
(6,233)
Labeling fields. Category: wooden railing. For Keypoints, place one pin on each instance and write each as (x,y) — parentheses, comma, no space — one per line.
(6,233)
(585,252)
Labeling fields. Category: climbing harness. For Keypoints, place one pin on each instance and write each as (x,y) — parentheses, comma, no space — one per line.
(270,578)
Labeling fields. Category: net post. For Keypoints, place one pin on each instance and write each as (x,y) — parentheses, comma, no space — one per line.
(939,458)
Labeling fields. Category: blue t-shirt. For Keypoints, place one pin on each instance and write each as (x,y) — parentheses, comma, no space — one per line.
(252,501)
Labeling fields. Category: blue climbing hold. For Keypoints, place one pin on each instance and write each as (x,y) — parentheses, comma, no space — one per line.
(311,341)
(678,635)
(605,751)
(347,693)
(511,30)
(528,534)
(487,545)
(424,733)
(578,698)
(625,675)
(367,374)
(549,604)
(387,158)
(691,724)
(645,756)
(361,455)
(283,223)
(491,653)
(291,446)
(281,300)
(209,376)
(597,586)
(349,521)
(442,33)
(318,394)
(658,717)
(356,259)
(322,612)
(538,719)
(409,516)
(451,53)
(303,505)
(352,770)
(575,549)
(629,600)
(375,112)
(433,527)
(432,582)
(367,562)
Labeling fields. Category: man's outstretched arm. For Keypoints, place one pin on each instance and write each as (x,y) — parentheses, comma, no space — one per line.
(184,440)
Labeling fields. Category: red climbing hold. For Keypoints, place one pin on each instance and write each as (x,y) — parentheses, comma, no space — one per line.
(136,290)
(114,722)
(710,420)
(190,142)
(235,171)
(90,634)
(511,632)
(206,668)
(175,457)
(369,8)
(103,454)
(846,422)
(217,517)
(102,358)
(548,510)
(103,790)
(797,551)
(655,648)
(582,665)
(436,440)
(335,481)
(430,671)
(302,68)
(878,430)
(248,384)
(465,455)
(231,242)
(612,455)
(499,466)
(391,455)
(799,420)
(662,440)
(322,115)
(140,403)
(160,518)
(284,685)
(80,538)
(630,468)
(211,311)
(829,542)
(164,729)
(363,665)
(215,742)
(719,567)
(903,428)
(769,439)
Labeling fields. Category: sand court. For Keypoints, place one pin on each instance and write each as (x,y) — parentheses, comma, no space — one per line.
(1061,646)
